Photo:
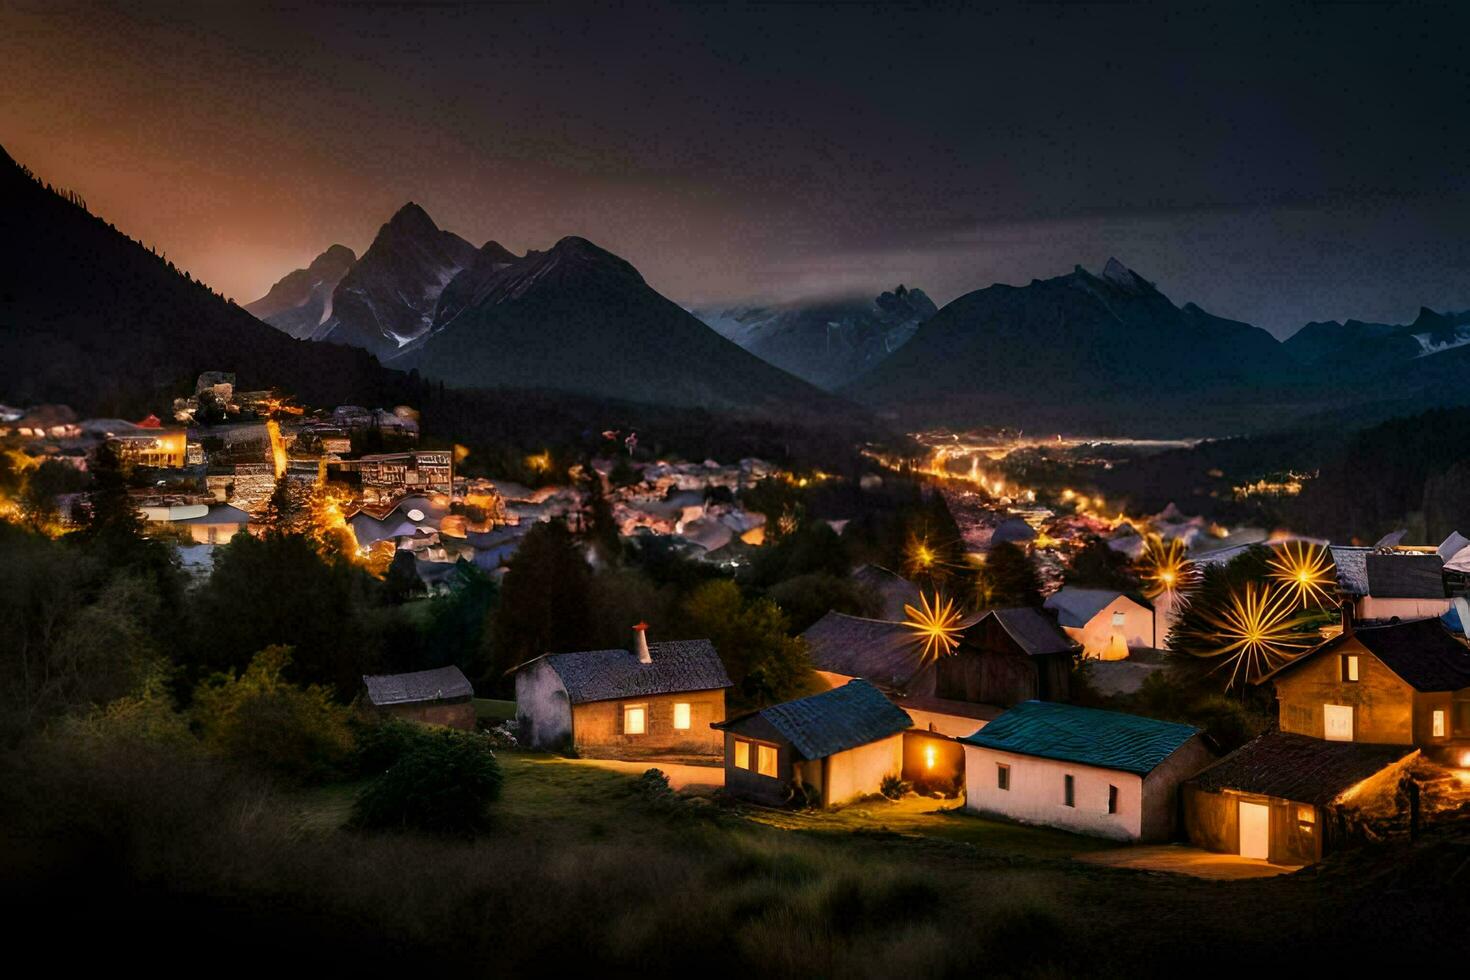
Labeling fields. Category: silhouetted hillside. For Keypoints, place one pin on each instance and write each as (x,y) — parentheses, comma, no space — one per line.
(94,319)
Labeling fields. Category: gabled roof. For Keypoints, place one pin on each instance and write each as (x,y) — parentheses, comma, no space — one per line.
(1452,546)
(882,651)
(1406,576)
(1033,630)
(1077,607)
(1299,768)
(1422,652)
(1087,736)
(440,684)
(1352,568)
(843,718)
(605,675)
(219,514)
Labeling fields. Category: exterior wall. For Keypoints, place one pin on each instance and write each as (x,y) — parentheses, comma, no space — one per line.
(598,726)
(543,709)
(1101,640)
(932,760)
(747,783)
(860,771)
(1369,607)
(1002,675)
(1036,794)
(1161,804)
(1426,704)
(214,533)
(455,714)
(1383,705)
(957,726)
(1212,821)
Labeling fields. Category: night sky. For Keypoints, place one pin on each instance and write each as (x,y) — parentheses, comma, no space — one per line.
(1275,165)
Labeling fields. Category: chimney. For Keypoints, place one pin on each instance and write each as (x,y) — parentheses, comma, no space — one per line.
(1346,611)
(640,643)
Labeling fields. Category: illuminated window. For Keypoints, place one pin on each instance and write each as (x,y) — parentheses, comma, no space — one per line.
(1119,618)
(1112,799)
(1002,776)
(765,759)
(742,754)
(1439,724)
(1350,668)
(1305,817)
(635,719)
(1069,790)
(681,715)
(928,757)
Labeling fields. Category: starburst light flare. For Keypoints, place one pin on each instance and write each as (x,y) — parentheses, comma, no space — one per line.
(935,622)
(1307,570)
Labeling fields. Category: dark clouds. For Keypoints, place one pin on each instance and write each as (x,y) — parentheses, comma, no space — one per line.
(1273,163)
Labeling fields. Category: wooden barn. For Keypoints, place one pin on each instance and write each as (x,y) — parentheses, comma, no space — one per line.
(441,696)
(839,745)
(1005,657)
(1102,773)
(1396,684)
(887,654)
(658,699)
(1288,798)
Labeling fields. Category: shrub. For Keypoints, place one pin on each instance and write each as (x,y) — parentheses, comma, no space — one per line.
(262,722)
(379,744)
(894,786)
(443,783)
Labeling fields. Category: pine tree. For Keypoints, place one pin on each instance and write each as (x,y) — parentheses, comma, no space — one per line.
(1007,579)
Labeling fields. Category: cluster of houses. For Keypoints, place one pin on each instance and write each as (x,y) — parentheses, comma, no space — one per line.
(210,474)
(1359,717)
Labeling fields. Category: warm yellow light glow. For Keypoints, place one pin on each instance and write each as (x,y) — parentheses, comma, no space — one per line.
(928,757)
(1164,568)
(278,447)
(936,624)
(1306,570)
(1256,632)
(540,462)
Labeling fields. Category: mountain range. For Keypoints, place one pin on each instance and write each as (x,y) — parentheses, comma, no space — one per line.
(573,318)
(828,343)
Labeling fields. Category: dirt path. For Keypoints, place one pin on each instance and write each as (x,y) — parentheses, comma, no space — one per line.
(681,776)
(1179,859)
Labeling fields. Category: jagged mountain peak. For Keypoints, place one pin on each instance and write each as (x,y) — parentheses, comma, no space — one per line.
(412,218)
(336,256)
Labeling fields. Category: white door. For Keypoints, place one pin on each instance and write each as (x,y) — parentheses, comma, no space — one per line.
(1255,831)
(1337,722)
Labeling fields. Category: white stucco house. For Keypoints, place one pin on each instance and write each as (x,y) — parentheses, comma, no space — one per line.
(1107,623)
(1102,773)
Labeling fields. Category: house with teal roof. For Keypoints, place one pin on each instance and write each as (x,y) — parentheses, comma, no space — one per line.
(1102,773)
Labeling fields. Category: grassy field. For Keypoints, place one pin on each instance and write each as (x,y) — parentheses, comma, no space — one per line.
(582,870)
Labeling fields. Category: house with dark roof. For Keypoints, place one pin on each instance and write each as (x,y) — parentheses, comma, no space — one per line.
(1394,684)
(883,651)
(835,746)
(1106,623)
(1288,798)
(441,696)
(1102,773)
(657,699)
(1005,657)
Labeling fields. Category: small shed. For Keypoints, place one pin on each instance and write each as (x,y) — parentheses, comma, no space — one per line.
(441,696)
(1008,656)
(879,650)
(839,744)
(1105,622)
(1102,773)
(1288,798)
(657,699)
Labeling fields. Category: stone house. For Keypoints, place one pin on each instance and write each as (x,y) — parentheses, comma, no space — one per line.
(658,699)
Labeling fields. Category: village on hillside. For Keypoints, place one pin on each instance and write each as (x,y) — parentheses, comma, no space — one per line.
(1020,661)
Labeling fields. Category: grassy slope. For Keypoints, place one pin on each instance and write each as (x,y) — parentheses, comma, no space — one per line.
(580,870)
